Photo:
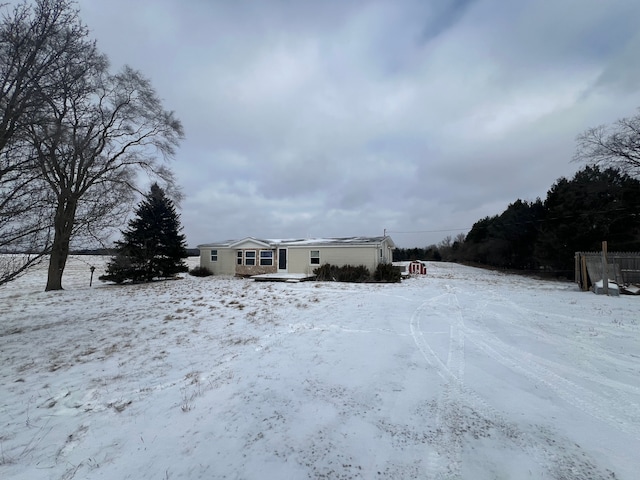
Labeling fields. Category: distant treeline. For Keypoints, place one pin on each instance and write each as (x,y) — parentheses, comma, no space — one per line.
(192,252)
(431,252)
(577,215)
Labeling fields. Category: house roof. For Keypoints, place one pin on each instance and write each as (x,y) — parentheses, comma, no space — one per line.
(300,242)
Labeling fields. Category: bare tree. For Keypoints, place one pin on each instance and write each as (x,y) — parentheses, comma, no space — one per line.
(73,137)
(446,242)
(616,146)
(100,134)
(33,37)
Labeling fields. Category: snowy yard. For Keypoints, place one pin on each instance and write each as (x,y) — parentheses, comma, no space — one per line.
(462,374)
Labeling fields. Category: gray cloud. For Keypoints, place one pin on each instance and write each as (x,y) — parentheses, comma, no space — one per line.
(346,118)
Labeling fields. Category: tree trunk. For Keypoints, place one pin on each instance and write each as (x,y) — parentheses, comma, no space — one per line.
(63,226)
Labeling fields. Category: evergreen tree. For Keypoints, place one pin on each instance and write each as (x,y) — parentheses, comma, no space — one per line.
(152,246)
(582,212)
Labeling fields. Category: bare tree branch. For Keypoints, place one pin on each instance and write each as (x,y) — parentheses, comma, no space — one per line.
(616,146)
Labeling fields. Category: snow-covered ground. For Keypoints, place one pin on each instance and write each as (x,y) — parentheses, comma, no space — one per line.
(461,374)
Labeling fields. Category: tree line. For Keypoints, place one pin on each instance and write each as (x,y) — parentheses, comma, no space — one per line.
(75,138)
(601,202)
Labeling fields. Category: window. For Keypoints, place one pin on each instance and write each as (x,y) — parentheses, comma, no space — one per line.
(239,258)
(214,255)
(250,257)
(266,257)
(315,257)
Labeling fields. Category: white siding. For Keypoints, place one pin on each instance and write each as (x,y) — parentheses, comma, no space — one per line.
(300,257)
(226,264)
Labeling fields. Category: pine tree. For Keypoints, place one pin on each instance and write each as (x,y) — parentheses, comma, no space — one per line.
(152,246)
(595,205)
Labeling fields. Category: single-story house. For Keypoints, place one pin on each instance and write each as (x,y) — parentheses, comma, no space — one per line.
(253,256)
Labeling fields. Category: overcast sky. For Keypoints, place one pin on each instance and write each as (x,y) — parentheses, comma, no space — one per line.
(341,118)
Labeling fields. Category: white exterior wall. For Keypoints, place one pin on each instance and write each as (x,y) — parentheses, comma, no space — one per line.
(226,264)
(300,257)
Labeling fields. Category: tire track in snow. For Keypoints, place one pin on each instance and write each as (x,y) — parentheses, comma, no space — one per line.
(523,322)
(618,415)
(462,415)
(619,412)
(446,460)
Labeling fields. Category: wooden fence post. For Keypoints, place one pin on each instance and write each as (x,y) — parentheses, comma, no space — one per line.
(585,277)
(605,270)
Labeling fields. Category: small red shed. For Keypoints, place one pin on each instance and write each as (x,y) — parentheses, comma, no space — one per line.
(417,268)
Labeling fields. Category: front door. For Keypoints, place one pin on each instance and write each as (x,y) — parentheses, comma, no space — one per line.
(282,260)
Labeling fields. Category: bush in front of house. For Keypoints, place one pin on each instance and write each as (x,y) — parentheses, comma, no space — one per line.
(346,273)
(355,274)
(324,273)
(386,272)
(200,272)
